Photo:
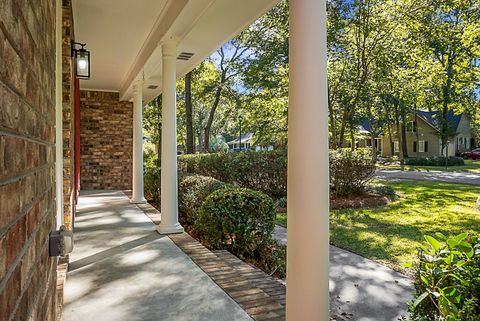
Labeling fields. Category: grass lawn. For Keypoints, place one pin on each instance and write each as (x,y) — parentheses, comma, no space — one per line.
(388,234)
(471,166)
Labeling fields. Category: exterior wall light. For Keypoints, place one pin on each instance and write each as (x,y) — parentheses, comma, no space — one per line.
(82,60)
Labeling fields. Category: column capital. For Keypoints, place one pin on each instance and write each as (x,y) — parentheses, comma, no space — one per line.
(137,85)
(169,46)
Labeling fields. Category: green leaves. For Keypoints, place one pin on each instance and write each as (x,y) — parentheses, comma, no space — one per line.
(433,242)
(422,297)
(447,278)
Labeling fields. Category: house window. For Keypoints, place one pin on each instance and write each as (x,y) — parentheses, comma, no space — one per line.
(421,146)
(396,147)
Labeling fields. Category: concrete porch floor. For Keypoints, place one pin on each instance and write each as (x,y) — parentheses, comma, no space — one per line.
(122,269)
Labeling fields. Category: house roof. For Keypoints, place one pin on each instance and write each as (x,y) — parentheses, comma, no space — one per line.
(364,127)
(433,118)
(430,117)
(245,139)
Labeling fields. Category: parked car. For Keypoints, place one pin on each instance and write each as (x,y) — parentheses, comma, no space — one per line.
(473,154)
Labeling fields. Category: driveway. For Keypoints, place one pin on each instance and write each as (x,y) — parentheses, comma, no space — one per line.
(433,176)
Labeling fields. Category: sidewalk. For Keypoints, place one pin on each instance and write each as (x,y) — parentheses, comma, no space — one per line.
(362,289)
(123,270)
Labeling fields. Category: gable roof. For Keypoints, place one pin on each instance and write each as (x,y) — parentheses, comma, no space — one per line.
(246,138)
(433,118)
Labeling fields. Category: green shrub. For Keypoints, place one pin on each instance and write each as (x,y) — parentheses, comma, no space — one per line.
(434,161)
(281,202)
(273,259)
(192,192)
(151,178)
(261,171)
(350,171)
(447,286)
(237,219)
(266,171)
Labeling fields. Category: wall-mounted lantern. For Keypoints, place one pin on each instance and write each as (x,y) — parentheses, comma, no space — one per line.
(82,60)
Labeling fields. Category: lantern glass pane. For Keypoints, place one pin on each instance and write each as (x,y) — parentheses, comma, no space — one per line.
(83,64)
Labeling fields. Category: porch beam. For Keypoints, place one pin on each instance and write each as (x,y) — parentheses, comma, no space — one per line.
(308,168)
(137,168)
(169,185)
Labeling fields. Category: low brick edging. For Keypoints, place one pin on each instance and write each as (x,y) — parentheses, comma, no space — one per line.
(259,294)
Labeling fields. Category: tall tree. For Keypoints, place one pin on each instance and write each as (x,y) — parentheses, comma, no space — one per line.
(188,113)
(450,30)
(231,62)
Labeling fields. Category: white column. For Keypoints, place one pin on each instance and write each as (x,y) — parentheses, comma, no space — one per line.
(59,117)
(137,168)
(308,169)
(169,185)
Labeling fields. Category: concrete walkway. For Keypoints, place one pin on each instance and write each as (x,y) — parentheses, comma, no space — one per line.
(433,176)
(361,289)
(123,270)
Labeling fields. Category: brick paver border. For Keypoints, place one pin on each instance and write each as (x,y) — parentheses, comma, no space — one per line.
(259,294)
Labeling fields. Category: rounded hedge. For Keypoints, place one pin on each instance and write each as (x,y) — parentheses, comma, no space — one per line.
(237,219)
(151,179)
(192,192)
(435,161)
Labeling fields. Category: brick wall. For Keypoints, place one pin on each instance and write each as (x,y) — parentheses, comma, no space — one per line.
(68,112)
(106,141)
(27,150)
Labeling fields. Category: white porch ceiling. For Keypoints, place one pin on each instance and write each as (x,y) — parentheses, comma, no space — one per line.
(124,36)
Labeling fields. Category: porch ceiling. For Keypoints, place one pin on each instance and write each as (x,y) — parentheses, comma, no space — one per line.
(124,36)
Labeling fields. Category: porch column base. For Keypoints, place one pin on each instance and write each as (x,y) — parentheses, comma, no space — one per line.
(140,201)
(170,229)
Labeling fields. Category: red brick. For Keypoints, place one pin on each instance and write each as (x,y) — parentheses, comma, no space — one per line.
(106,141)
(15,239)
(9,203)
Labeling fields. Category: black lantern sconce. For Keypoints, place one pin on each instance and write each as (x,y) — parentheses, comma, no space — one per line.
(82,60)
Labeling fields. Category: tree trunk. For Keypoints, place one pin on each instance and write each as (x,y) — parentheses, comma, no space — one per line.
(200,140)
(374,148)
(352,139)
(404,132)
(333,128)
(208,127)
(399,136)
(159,145)
(446,99)
(188,113)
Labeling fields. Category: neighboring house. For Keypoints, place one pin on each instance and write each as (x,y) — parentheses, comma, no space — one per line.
(423,136)
(244,143)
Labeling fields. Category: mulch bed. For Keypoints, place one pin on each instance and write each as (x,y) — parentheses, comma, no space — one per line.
(358,201)
(353,201)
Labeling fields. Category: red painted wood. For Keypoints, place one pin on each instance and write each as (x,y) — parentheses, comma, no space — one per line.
(77,139)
